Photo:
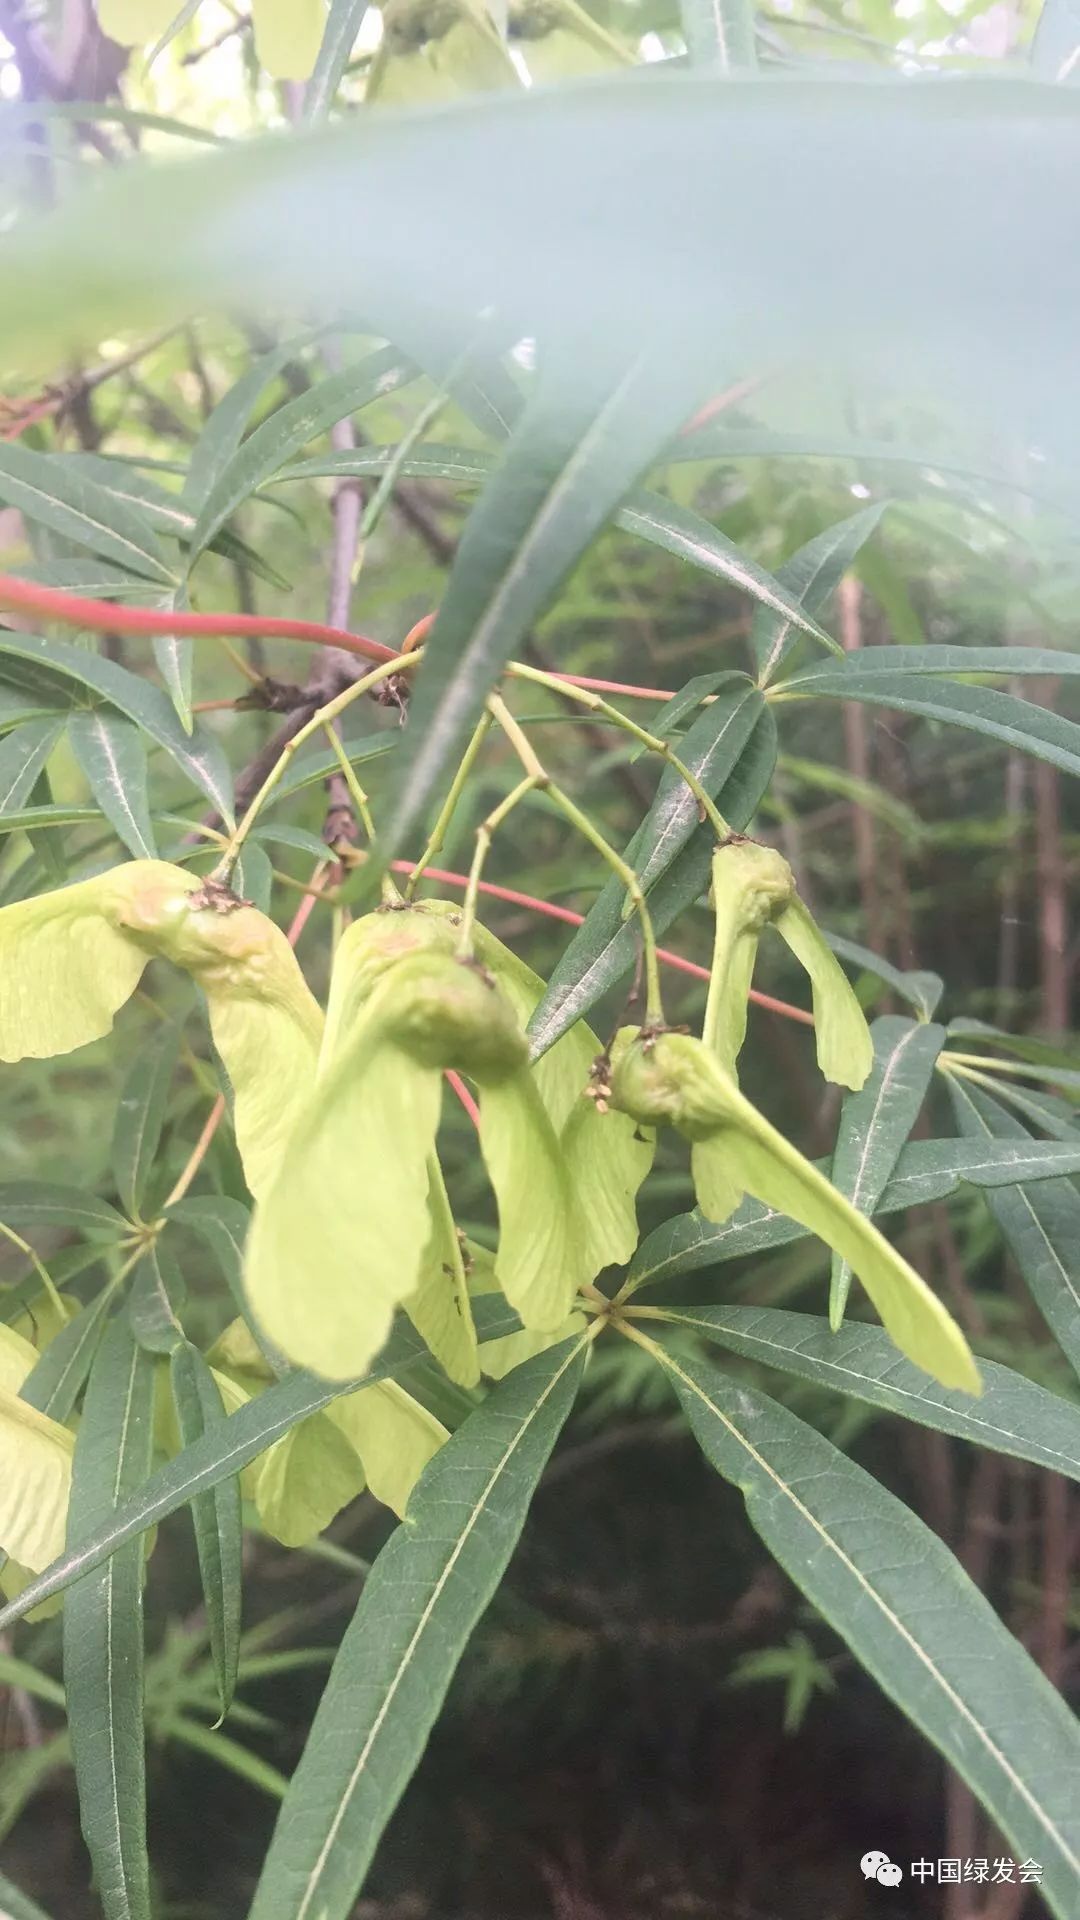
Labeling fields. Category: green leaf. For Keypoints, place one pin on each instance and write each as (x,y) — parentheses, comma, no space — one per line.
(22,757)
(342,27)
(71,504)
(1041,1228)
(288,429)
(140,1115)
(868,662)
(427,1590)
(111,754)
(711,749)
(680,531)
(604,949)
(313,768)
(247,1433)
(156,1298)
(1000,716)
(57,1380)
(908,1612)
(199,755)
(175,660)
(719,33)
(1013,1415)
(926,1170)
(103,1627)
(222,1225)
(15,1905)
(45,1203)
(215,1516)
(1022,1046)
(223,431)
(811,577)
(875,1123)
(1055,48)
(578,449)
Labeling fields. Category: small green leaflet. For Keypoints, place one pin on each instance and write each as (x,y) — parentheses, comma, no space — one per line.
(810,577)
(578,449)
(22,757)
(1012,1416)
(1042,1228)
(199,754)
(72,504)
(215,1516)
(291,427)
(427,1590)
(111,753)
(910,1614)
(342,28)
(18,1906)
(103,1628)
(140,1115)
(1001,716)
(876,1121)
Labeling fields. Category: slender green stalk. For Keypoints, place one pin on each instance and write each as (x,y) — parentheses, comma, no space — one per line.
(401,663)
(446,812)
(485,833)
(47,1282)
(652,741)
(654,1008)
(388,886)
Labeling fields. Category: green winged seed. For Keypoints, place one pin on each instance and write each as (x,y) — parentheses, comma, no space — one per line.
(339,1241)
(70,959)
(440,1309)
(751,885)
(673,1077)
(606,1155)
(845,1051)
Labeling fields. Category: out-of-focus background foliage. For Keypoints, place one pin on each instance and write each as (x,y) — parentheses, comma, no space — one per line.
(649,1712)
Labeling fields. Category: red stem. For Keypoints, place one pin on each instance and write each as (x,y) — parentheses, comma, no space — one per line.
(71,610)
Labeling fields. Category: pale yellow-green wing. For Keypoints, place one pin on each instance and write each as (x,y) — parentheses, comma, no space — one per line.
(774,1171)
(65,971)
(18,1358)
(35,1482)
(715,1187)
(845,1050)
(305,1479)
(541,1256)
(436,50)
(288,34)
(608,1156)
(394,1436)
(366,952)
(269,1047)
(439,1309)
(338,1241)
(135,23)
(500,1357)
(560,41)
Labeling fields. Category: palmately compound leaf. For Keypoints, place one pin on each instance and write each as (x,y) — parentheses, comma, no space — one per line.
(845,1050)
(673,1077)
(393,1435)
